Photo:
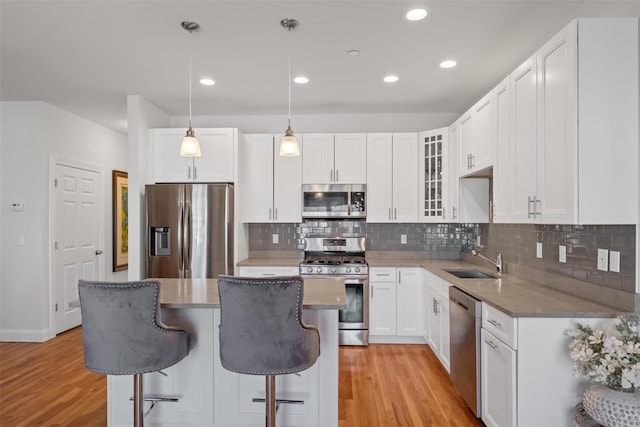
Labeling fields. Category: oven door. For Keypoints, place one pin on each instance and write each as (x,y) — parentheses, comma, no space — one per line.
(356,313)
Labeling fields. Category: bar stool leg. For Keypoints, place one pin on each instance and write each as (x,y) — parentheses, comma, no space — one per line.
(271,401)
(138,401)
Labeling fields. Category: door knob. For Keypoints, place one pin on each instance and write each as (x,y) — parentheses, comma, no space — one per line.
(98,252)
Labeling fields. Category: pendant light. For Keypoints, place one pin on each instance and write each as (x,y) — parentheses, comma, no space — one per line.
(190,146)
(289,144)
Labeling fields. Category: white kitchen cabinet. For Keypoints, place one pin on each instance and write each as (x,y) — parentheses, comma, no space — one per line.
(437,309)
(392,177)
(215,165)
(574,126)
(339,158)
(409,302)
(476,137)
(498,373)
(500,205)
(273,182)
(519,376)
(382,301)
(395,309)
(433,158)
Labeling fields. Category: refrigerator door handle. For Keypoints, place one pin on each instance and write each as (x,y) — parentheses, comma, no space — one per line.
(187,241)
(180,240)
(227,222)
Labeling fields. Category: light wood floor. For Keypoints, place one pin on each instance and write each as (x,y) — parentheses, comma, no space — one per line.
(380,385)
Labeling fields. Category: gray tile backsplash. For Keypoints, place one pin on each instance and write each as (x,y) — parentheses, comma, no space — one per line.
(516,242)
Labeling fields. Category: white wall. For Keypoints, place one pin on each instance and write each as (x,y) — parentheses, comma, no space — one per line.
(319,123)
(31,134)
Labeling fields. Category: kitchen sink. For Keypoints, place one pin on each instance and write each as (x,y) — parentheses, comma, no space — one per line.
(470,274)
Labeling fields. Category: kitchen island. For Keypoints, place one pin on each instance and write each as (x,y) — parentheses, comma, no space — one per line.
(212,396)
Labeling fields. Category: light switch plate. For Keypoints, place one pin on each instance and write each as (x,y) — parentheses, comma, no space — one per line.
(603,259)
(539,250)
(275,239)
(614,261)
(562,254)
(403,239)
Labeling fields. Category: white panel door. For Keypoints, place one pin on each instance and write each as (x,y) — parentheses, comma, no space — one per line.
(287,185)
(168,166)
(216,163)
(405,177)
(452,213)
(258,156)
(350,158)
(465,142)
(498,378)
(523,142)
(317,158)
(380,177)
(76,234)
(409,302)
(483,130)
(501,174)
(382,308)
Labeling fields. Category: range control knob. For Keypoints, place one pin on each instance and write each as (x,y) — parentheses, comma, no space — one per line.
(334,270)
(319,269)
(309,269)
(357,269)
(348,270)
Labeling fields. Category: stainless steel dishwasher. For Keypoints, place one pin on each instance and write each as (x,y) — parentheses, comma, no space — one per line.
(465,320)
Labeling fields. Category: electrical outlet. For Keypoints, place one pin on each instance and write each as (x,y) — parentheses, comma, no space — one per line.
(275,239)
(603,259)
(614,261)
(403,239)
(562,254)
(539,250)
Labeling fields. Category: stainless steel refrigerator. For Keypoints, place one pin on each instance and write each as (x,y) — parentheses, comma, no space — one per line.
(189,230)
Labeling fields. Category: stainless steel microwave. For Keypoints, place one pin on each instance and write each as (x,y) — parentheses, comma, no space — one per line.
(334,201)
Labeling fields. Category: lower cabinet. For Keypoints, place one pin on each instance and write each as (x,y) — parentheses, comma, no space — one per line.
(436,309)
(395,308)
(526,371)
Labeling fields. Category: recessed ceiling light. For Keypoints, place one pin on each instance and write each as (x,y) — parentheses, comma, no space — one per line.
(301,80)
(391,79)
(207,82)
(353,52)
(416,14)
(449,63)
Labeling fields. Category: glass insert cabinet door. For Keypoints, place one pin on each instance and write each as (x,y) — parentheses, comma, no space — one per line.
(433,152)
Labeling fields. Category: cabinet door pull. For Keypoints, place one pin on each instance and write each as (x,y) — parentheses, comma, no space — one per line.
(455,212)
(195,172)
(494,323)
(537,206)
(473,161)
(395,214)
(371,288)
(444,213)
(491,344)
(337,176)
(529,202)
(399,277)
(189,172)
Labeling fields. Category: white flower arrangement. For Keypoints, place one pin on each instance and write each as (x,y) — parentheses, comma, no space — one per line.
(610,355)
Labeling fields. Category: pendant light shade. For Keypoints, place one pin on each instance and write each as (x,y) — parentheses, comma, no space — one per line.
(190,146)
(289,144)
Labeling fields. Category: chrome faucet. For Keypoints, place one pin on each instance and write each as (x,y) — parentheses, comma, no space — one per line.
(497,263)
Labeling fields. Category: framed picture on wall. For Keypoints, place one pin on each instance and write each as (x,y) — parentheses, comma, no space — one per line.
(120,186)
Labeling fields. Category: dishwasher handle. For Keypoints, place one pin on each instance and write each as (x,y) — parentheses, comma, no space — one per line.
(454,300)
(465,301)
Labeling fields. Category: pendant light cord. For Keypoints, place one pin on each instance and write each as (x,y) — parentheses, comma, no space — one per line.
(290,43)
(190,72)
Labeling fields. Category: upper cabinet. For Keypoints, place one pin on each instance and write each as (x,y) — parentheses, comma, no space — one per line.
(433,158)
(392,177)
(501,206)
(574,127)
(215,165)
(273,182)
(339,158)
(476,137)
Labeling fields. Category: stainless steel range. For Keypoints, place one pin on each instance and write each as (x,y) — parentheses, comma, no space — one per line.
(343,257)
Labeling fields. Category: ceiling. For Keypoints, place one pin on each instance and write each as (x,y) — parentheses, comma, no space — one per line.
(87,56)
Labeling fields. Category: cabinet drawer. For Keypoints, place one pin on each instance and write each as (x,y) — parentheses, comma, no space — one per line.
(500,324)
(268,271)
(382,274)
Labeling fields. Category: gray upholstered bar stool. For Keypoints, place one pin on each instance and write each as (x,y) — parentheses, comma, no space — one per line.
(122,333)
(262,332)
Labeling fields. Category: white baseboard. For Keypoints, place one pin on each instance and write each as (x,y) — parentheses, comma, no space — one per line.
(25,335)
